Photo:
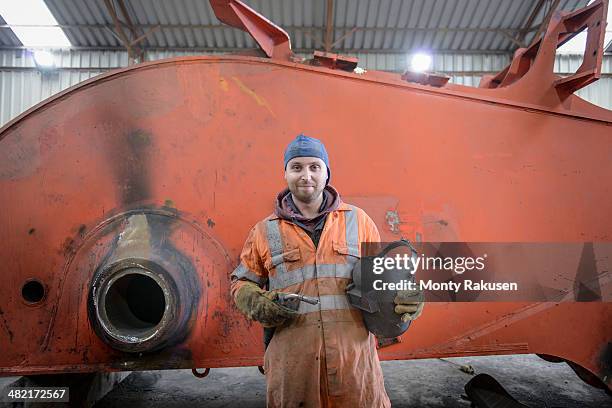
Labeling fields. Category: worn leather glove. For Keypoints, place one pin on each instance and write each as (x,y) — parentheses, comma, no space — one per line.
(409,304)
(258,304)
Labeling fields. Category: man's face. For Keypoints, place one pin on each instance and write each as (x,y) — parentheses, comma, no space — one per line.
(306,177)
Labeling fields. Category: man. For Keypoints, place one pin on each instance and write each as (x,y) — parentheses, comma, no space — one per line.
(319,356)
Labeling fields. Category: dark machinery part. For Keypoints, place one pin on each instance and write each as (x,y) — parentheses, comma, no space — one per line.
(378,306)
(485,392)
(292,300)
(198,374)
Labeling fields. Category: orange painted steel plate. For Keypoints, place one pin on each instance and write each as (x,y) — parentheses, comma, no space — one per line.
(200,140)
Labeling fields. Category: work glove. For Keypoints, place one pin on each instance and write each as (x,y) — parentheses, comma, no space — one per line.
(409,304)
(258,304)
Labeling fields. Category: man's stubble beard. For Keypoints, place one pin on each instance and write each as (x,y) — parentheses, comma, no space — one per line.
(309,198)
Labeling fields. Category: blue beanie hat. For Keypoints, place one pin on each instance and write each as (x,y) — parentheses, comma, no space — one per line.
(305,146)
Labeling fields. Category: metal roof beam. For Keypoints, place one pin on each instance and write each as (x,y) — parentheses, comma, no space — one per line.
(288,28)
(509,36)
(521,37)
(544,24)
(329,25)
(119,31)
(128,20)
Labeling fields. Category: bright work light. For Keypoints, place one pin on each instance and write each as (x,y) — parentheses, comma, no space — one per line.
(421,62)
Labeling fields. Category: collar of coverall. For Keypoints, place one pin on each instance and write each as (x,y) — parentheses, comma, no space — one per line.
(333,201)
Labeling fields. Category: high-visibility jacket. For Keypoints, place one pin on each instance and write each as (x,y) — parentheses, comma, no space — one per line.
(324,357)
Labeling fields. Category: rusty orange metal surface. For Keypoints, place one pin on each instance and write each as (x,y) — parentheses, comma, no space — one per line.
(196,144)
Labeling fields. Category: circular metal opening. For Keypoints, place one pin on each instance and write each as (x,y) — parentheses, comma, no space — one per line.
(134,304)
(33,291)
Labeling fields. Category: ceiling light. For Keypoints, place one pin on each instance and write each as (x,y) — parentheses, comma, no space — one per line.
(421,62)
(44,59)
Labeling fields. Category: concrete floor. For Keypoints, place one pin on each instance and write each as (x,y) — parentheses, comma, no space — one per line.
(417,383)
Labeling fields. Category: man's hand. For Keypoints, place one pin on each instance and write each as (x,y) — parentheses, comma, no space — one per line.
(258,304)
(409,304)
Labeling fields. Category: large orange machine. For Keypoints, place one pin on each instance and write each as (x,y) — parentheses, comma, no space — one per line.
(125,200)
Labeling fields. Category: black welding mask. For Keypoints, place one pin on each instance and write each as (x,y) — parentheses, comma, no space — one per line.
(378,306)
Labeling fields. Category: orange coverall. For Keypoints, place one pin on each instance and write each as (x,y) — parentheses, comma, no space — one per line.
(324,357)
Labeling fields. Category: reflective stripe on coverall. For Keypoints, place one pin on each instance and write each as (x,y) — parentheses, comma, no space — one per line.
(324,357)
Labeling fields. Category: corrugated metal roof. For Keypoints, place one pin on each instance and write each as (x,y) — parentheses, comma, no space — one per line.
(7,37)
(382,25)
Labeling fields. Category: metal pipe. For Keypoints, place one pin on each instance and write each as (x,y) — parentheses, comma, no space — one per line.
(142,296)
